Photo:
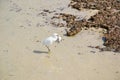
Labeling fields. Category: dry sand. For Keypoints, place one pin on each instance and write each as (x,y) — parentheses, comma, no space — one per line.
(23,57)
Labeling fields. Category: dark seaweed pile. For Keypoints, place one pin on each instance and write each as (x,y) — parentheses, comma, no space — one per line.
(95,4)
(112,40)
(108,18)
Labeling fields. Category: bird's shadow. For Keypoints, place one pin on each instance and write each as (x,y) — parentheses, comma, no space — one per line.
(40,52)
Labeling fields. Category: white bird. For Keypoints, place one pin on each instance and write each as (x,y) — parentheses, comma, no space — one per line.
(49,41)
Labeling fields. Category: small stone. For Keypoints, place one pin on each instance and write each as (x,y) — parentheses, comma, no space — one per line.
(37,41)
(5,50)
(117,72)
(92,51)
(79,53)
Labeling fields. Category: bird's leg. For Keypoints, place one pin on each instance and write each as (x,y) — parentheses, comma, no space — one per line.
(57,40)
(48,49)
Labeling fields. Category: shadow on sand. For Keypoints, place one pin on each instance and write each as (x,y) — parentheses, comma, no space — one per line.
(40,52)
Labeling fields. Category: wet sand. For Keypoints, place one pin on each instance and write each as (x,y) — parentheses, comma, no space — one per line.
(23,27)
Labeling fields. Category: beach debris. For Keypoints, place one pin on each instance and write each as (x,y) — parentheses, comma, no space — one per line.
(74,22)
(79,53)
(112,40)
(48,11)
(93,4)
(73,30)
(106,17)
(15,7)
(93,52)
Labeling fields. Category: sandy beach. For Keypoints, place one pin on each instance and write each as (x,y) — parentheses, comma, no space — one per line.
(23,27)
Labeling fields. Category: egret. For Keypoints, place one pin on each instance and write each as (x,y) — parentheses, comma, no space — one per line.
(49,41)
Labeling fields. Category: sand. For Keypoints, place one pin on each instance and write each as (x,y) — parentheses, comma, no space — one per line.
(23,57)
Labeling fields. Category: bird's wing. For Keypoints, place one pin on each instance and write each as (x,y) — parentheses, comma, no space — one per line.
(47,41)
